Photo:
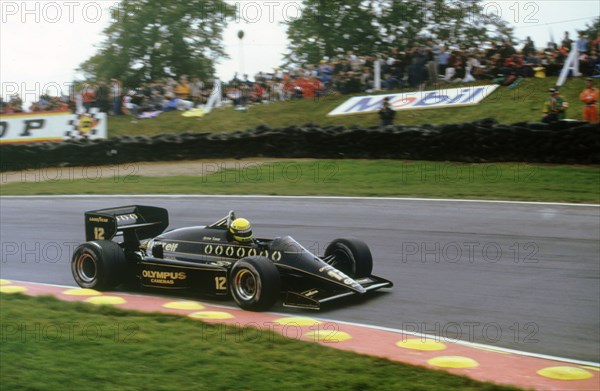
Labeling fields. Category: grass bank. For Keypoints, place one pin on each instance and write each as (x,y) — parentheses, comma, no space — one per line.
(502,181)
(53,345)
(507,106)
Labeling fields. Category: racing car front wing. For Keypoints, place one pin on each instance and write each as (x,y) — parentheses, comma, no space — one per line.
(314,298)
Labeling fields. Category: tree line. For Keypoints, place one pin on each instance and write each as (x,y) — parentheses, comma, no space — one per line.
(153,39)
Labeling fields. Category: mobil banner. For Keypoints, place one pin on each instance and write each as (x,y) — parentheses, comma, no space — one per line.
(51,126)
(451,97)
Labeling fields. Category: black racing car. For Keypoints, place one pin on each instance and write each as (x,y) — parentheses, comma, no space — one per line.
(205,258)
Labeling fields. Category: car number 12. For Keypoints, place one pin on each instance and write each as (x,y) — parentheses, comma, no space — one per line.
(98,233)
(220,283)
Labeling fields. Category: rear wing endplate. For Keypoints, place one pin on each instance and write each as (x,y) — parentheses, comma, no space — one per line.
(142,222)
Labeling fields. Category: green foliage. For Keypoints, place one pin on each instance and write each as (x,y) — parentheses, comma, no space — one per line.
(592,29)
(151,39)
(328,27)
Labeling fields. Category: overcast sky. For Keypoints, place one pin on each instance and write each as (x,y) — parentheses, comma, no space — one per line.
(43,42)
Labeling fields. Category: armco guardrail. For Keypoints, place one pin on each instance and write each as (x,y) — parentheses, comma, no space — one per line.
(481,141)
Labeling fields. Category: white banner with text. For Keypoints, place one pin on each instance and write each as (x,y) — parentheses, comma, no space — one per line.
(51,126)
(444,98)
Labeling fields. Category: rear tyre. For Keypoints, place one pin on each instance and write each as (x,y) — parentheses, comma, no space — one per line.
(99,264)
(351,256)
(255,283)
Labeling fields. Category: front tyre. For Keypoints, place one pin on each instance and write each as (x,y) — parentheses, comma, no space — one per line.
(99,264)
(351,256)
(255,283)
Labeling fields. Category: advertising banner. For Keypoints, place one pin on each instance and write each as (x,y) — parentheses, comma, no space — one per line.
(51,126)
(451,97)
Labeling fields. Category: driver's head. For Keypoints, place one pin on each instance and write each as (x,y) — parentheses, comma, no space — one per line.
(241,230)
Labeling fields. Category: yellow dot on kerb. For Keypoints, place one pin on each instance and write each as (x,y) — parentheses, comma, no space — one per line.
(82,292)
(106,300)
(565,373)
(297,321)
(211,315)
(12,289)
(184,305)
(453,362)
(328,336)
(420,344)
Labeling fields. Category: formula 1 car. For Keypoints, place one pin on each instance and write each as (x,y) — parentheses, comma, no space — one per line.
(206,259)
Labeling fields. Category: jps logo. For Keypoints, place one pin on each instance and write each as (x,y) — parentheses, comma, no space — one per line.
(171,247)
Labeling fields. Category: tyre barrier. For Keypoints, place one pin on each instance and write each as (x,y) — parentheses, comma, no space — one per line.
(570,142)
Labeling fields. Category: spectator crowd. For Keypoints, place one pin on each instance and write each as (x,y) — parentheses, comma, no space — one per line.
(426,63)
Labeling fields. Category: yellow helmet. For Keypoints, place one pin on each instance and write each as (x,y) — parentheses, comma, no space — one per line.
(241,230)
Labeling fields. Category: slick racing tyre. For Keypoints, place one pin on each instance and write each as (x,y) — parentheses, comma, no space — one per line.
(255,283)
(351,256)
(99,264)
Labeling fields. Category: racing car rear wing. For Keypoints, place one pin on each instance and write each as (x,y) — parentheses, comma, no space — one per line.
(135,221)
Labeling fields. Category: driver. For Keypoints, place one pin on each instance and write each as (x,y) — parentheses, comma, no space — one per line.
(240,231)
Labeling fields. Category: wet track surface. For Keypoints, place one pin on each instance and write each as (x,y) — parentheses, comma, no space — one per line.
(519,276)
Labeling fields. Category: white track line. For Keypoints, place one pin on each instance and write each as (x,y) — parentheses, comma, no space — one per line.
(177,196)
(381,328)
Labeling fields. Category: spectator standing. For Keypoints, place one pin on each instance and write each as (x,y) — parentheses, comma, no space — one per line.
(529,47)
(278,90)
(88,95)
(417,67)
(581,43)
(352,83)
(354,61)
(116,94)
(433,52)
(366,79)
(183,89)
(596,43)
(472,68)
(103,97)
(589,96)
(324,72)
(386,113)
(566,43)
(492,51)
(442,59)
(555,107)
(130,105)
(196,90)
(507,50)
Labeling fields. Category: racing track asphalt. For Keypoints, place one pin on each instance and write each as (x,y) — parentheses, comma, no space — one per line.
(518,276)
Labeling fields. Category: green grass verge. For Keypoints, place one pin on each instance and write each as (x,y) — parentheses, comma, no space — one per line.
(53,345)
(510,181)
(507,106)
